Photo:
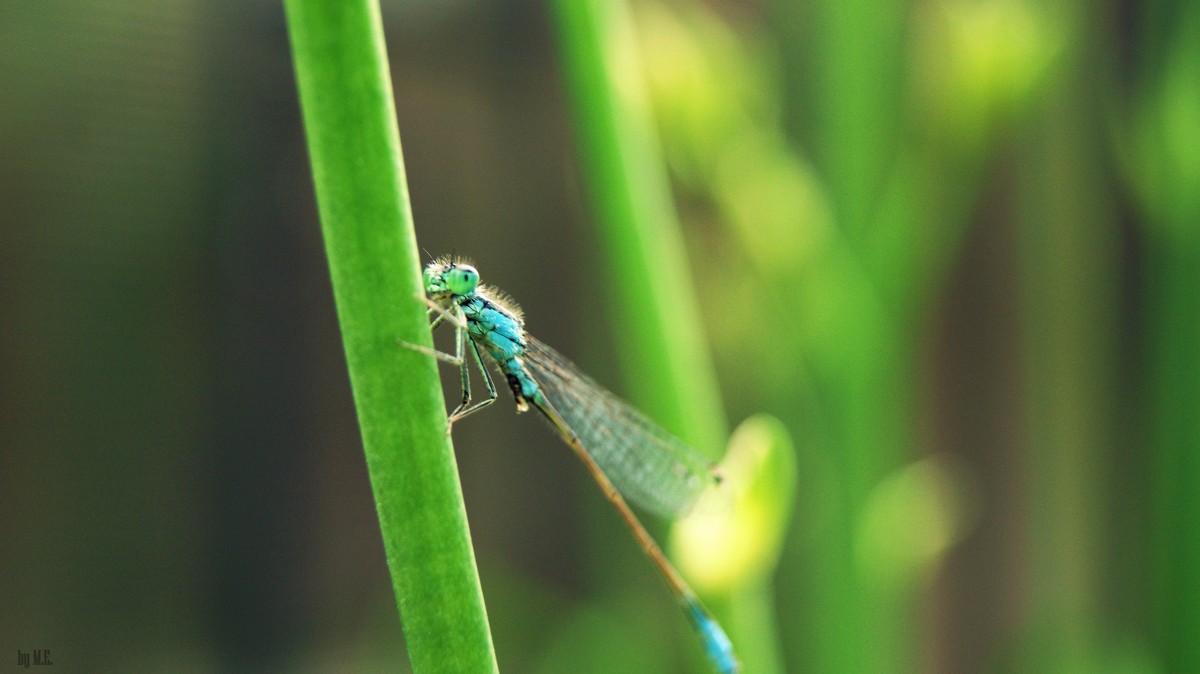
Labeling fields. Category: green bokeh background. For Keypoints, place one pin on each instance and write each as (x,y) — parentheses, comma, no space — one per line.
(953,245)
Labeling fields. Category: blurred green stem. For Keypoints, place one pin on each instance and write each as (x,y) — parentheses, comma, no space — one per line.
(1069,298)
(661,329)
(1165,133)
(846,62)
(662,334)
(1174,325)
(354,146)
(857,72)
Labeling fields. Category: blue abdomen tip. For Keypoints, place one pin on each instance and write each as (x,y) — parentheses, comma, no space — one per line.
(717,645)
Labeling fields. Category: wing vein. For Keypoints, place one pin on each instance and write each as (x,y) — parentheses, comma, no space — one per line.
(650,467)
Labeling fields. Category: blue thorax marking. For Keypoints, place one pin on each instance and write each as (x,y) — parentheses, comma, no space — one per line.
(503,337)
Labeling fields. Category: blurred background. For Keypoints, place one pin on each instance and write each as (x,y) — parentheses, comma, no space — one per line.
(948,243)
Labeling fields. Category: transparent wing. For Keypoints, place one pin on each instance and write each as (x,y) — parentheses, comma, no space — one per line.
(649,466)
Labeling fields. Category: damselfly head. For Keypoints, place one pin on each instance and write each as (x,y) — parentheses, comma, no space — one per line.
(448,278)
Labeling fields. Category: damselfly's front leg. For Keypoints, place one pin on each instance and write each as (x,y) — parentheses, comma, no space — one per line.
(457,321)
(456,318)
(461,340)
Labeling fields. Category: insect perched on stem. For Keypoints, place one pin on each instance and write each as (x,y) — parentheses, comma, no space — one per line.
(626,453)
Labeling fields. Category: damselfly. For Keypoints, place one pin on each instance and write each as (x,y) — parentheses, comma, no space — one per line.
(627,454)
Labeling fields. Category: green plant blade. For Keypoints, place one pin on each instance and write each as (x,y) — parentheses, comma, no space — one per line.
(354,146)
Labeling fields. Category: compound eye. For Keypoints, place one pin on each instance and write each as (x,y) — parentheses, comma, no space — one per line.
(462,280)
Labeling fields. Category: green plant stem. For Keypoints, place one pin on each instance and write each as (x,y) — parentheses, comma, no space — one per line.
(856,48)
(675,380)
(354,146)
(1164,135)
(1174,327)
(656,302)
(1070,316)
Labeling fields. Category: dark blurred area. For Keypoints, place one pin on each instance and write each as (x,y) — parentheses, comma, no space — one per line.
(182,485)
